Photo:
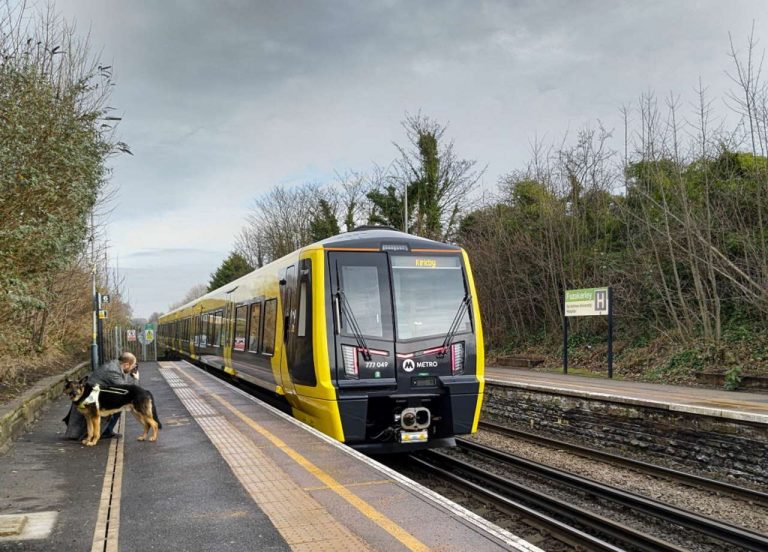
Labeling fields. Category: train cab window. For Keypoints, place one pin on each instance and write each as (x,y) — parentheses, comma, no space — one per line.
(254,328)
(241,321)
(362,291)
(301,331)
(270,318)
(428,293)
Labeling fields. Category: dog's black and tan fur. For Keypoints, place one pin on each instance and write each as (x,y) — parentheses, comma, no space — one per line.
(112,399)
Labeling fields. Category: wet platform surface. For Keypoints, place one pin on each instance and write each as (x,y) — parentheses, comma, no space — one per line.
(227,473)
(752,407)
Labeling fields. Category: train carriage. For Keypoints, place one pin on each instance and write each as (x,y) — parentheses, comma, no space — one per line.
(372,337)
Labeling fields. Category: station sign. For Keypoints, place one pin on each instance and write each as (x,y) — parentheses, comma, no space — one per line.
(586,302)
(146,336)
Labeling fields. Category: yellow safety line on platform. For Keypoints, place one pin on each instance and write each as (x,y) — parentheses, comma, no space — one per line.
(351,485)
(408,540)
(107,529)
(304,523)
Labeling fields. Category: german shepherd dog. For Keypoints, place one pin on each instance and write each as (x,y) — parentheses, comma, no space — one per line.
(95,402)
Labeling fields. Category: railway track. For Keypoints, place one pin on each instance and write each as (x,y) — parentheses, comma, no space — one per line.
(721,487)
(538,509)
(479,478)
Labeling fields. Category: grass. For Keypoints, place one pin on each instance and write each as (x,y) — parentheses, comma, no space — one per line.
(742,351)
(19,374)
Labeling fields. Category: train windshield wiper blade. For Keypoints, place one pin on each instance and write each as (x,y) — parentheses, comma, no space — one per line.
(455,324)
(346,308)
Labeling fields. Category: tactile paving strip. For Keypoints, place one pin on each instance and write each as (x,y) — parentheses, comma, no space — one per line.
(302,521)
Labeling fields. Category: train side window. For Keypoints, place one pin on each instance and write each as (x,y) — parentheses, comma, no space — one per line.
(211,329)
(255,328)
(270,318)
(217,328)
(302,329)
(241,321)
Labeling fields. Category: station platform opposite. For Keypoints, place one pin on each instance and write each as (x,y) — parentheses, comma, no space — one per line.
(715,433)
(736,405)
(227,473)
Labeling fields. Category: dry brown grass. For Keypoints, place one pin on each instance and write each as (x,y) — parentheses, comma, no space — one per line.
(17,375)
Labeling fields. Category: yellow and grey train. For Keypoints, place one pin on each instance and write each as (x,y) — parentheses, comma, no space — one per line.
(372,337)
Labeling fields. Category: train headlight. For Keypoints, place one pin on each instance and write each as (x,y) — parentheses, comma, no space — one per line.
(350,361)
(457,358)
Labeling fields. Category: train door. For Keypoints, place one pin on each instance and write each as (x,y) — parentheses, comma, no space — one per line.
(363,321)
(288,304)
(298,344)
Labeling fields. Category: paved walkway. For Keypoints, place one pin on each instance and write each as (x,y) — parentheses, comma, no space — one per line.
(730,404)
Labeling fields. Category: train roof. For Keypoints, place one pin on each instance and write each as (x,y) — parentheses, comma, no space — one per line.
(363,237)
(374,237)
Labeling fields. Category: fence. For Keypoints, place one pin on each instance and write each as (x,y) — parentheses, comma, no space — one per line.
(134,339)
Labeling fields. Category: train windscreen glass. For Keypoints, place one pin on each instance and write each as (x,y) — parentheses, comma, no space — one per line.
(428,292)
(361,287)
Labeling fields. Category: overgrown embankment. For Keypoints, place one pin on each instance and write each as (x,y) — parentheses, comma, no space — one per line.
(56,134)
(677,224)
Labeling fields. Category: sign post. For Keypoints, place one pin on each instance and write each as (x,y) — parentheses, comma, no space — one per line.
(588,302)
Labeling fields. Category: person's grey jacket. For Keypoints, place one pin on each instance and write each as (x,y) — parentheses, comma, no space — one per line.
(109,373)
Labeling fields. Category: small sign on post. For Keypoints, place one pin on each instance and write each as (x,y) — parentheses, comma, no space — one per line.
(103,314)
(588,302)
(131,335)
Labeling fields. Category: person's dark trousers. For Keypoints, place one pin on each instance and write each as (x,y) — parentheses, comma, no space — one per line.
(111,424)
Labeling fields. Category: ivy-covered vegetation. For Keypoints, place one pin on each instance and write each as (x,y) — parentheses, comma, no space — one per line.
(56,133)
(675,223)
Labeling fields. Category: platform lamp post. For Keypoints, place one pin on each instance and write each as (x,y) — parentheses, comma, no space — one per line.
(405,208)
(95,298)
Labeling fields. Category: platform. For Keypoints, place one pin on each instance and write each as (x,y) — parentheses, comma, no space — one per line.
(735,405)
(227,473)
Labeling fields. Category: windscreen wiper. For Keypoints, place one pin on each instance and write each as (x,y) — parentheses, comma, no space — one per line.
(346,309)
(454,327)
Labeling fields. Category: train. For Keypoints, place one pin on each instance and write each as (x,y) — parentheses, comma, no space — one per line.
(372,337)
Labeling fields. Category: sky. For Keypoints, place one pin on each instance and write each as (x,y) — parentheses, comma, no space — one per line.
(221,101)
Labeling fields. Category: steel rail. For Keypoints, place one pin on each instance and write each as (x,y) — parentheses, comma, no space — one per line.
(735,491)
(498,490)
(725,532)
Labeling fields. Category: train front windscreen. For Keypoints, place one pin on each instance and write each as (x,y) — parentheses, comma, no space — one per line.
(388,310)
(428,293)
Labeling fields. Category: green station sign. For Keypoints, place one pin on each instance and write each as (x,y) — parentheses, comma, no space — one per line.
(586,302)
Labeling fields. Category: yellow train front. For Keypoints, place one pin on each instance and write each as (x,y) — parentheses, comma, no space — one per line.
(373,337)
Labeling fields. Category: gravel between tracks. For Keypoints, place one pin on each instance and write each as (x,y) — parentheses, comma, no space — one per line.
(708,503)
(516,524)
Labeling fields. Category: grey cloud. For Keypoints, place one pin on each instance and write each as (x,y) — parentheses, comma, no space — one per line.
(222,100)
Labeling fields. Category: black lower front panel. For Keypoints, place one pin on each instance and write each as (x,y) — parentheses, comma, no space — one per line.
(463,413)
(374,419)
(353,415)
